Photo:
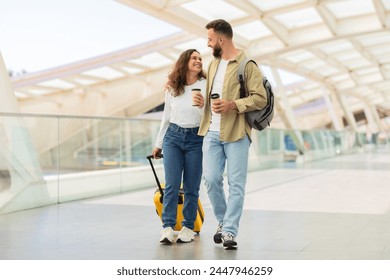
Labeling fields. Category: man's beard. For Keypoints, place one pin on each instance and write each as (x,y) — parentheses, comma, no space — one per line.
(217,51)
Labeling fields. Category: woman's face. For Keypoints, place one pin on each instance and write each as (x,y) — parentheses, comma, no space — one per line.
(195,63)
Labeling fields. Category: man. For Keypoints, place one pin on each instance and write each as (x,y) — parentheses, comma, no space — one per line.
(227,134)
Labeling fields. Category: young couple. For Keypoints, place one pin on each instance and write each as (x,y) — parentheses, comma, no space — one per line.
(208,135)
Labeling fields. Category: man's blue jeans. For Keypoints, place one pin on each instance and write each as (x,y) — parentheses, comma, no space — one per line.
(235,154)
(182,150)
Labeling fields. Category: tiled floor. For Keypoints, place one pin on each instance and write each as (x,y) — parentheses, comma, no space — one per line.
(332,209)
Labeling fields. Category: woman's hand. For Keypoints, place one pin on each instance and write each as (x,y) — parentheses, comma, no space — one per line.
(198,100)
(156,153)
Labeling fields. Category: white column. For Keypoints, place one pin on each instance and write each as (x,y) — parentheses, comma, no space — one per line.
(371,123)
(286,111)
(18,154)
(347,112)
(377,118)
(332,112)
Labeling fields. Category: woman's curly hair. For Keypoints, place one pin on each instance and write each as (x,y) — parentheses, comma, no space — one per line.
(177,79)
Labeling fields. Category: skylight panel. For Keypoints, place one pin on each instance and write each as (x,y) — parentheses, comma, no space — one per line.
(371,78)
(384,59)
(383,86)
(299,18)
(375,39)
(310,86)
(386,4)
(387,68)
(299,56)
(327,71)
(341,77)
(336,47)
(348,56)
(213,9)
(104,72)
(131,70)
(289,78)
(57,83)
(274,4)
(199,44)
(38,91)
(357,63)
(376,99)
(20,94)
(345,84)
(352,8)
(252,30)
(381,50)
(314,64)
(85,82)
(152,60)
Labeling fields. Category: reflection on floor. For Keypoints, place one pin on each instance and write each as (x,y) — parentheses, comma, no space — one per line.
(332,209)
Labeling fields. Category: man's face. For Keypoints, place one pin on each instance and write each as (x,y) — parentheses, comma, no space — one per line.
(213,42)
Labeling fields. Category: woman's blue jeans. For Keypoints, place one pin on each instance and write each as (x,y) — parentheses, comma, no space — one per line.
(182,150)
(235,154)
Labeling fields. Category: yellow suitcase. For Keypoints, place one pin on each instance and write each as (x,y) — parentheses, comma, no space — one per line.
(158,202)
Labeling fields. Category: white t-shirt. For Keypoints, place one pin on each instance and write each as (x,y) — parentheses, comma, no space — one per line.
(217,88)
(179,110)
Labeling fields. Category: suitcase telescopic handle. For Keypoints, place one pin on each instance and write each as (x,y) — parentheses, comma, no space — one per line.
(150,157)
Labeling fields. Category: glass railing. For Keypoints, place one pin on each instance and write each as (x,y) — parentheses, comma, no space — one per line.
(47,159)
(51,159)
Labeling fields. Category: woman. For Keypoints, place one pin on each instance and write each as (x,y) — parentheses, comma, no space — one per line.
(178,138)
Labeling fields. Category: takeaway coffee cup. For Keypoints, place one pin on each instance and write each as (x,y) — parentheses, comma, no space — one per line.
(195,92)
(214,96)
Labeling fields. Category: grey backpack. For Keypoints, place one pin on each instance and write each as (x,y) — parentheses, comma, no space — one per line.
(258,119)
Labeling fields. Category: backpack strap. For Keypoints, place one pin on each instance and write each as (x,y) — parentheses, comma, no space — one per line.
(241,76)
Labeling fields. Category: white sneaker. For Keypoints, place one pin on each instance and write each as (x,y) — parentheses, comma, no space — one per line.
(167,236)
(185,235)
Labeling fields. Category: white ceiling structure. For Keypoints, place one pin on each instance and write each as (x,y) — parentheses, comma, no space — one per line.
(341,48)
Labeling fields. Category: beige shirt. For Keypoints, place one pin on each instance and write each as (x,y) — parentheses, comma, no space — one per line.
(233,124)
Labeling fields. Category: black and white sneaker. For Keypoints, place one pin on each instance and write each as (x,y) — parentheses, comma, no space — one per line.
(218,235)
(229,242)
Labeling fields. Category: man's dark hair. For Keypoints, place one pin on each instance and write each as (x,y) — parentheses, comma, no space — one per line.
(221,26)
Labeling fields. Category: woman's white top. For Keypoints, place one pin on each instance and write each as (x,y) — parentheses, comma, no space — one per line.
(179,110)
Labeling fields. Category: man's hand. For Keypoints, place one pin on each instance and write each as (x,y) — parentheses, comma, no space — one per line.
(222,106)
